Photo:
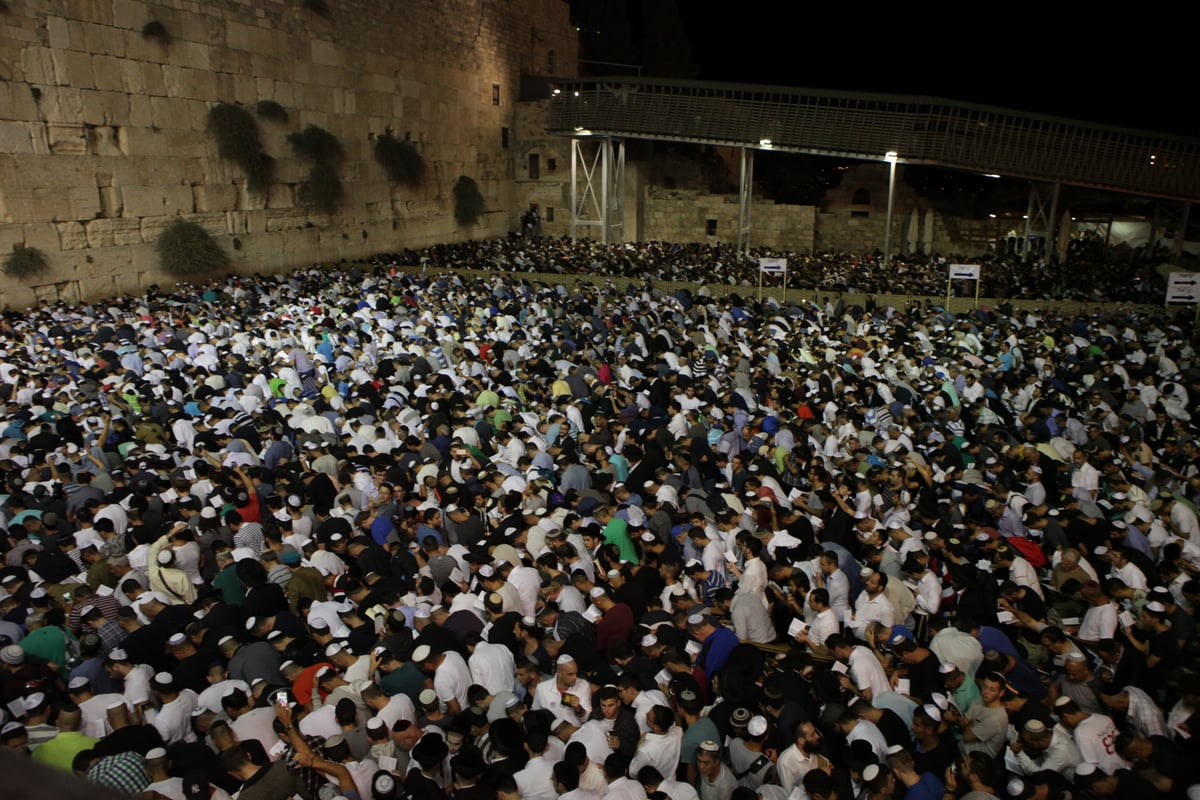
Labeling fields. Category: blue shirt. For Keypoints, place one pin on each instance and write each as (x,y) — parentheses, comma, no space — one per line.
(927,787)
(715,651)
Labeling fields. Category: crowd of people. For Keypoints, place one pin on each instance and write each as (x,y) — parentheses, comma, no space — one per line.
(1085,274)
(374,532)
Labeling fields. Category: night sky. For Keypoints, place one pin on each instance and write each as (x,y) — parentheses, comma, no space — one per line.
(1123,68)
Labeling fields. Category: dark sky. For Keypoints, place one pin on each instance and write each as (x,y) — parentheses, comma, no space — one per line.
(1126,67)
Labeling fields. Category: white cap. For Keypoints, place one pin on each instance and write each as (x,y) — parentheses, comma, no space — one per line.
(422,653)
(78,682)
(156,752)
(1156,607)
(596,591)
(757,725)
(332,650)
(164,678)
(564,659)
(251,622)
(117,654)
(649,640)
(176,639)
(870,772)
(486,571)
(695,619)
(164,558)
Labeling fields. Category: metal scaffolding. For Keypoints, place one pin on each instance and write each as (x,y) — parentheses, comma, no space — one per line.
(599,201)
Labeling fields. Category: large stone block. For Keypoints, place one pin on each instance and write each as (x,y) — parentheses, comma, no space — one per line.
(105,108)
(71,235)
(129,14)
(72,68)
(146,201)
(38,65)
(66,140)
(106,71)
(59,32)
(113,232)
(152,79)
(16,137)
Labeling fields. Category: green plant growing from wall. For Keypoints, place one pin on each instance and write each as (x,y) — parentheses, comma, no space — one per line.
(323,189)
(25,261)
(468,202)
(269,109)
(238,141)
(185,248)
(156,31)
(318,7)
(400,160)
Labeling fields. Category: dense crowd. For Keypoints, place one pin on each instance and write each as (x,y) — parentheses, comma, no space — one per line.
(377,533)
(1084,275)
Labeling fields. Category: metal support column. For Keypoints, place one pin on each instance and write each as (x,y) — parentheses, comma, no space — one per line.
(600,201)
(1039,216)
(887,231)
(745,200)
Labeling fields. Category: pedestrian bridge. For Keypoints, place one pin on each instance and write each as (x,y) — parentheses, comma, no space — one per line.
(905,129)
(919,130)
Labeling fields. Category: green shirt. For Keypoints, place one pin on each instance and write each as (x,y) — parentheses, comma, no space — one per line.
(48,644)
(617,532)
(60,751)
(232,591)
(407,680)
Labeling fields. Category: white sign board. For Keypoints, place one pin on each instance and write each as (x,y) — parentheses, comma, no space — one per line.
(964,272)
(1183,287)
(776,265)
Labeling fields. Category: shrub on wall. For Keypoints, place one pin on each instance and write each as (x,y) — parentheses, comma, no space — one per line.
(318,7)
(156,31)
(184,248)
(269,109)
(400,160)
(468,202)
(25,261)
(323,188)
(238,141)
(317,145)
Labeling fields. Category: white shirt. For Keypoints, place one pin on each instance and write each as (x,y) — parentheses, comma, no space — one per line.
(838,586)
(210,698)
(658,750)
(873,609)
(94,713)
(452,679)
(867,673)
(492,666)
(527,582)
(399,707)
(1022,573)
(174,719)
(869,732)
(1096,739)
(547,696)
(1099,622)
(257,724)
(536,781)
(825,624)
(793,765)
(137,685)
(625,789)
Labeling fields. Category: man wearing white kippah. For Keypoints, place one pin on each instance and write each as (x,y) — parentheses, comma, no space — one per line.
(566,695)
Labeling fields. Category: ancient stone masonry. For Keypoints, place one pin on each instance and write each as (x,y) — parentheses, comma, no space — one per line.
(103,134)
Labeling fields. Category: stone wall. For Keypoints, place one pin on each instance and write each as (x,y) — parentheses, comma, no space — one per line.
(103,131)
(688,215)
